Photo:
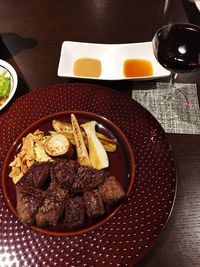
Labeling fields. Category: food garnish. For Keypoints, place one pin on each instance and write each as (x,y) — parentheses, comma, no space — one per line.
(40,153)
(5,84)
(110,145)
(97,153)
(26,157)
(82,153)
(64,127)
(57,145)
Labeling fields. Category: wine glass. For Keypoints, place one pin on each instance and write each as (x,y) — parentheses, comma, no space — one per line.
(177,48)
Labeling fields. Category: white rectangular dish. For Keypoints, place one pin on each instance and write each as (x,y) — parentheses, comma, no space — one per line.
(111,56)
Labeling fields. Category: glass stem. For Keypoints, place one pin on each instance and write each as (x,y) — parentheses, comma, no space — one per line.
(173,78)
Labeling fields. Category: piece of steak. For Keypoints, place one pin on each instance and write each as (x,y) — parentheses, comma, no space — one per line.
(29,200)
(52,208)
(63,172)
(111,191)
(36,176)
(93,204)
(74,213)
(87,178)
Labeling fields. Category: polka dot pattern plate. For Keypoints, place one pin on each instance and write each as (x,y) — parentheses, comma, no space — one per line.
(124,172)
(130,234)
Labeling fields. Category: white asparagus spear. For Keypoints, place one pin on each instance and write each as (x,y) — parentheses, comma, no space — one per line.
(97,153)
(82,153)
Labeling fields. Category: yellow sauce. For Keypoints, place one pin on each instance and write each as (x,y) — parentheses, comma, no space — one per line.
(137,68)
(87,67)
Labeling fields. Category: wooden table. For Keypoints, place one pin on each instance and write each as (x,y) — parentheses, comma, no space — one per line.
(31,38)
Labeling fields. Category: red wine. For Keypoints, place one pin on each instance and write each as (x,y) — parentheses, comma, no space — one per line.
(177,47)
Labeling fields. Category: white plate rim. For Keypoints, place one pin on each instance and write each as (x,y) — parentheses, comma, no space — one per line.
(80,46)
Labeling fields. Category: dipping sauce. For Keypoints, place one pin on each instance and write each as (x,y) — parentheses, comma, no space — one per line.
(87,67)
(137,68)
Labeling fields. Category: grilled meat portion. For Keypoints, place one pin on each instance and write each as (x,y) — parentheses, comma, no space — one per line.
(93,204)
(52,209)
(111,191)
(65,192)
(29,200)
(87,178)
(74,213)
(36,175)
(63,172)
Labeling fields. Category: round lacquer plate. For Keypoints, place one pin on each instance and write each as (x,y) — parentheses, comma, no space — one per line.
(121,165)
(134,229)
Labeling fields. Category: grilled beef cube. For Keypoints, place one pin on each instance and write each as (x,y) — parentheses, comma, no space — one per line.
(52,209)
(36,175)
(87,178)
(93,204)
(74,213)
(29,200)
(111,191)
(63,172)
(53,186)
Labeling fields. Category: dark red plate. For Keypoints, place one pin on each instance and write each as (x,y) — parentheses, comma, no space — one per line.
(121,164)
(129,235)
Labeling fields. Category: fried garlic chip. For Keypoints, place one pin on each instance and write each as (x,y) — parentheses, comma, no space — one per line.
(40,153)
(15,172)
(37,135)
(28,147)
(26,157)
(17,178)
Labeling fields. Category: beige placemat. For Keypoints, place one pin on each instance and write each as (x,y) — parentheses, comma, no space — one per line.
(175,107)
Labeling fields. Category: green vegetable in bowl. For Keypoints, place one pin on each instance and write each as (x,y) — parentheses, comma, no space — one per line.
(5,84)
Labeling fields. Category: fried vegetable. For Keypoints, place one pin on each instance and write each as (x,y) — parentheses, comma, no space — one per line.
(26,157)
(61,126)
(64,127)
(58,145)
(97,153)
(40,153)
(110,145)
(82,153)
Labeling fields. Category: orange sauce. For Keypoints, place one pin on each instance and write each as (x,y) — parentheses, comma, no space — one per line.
(87,67)
(137,68)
